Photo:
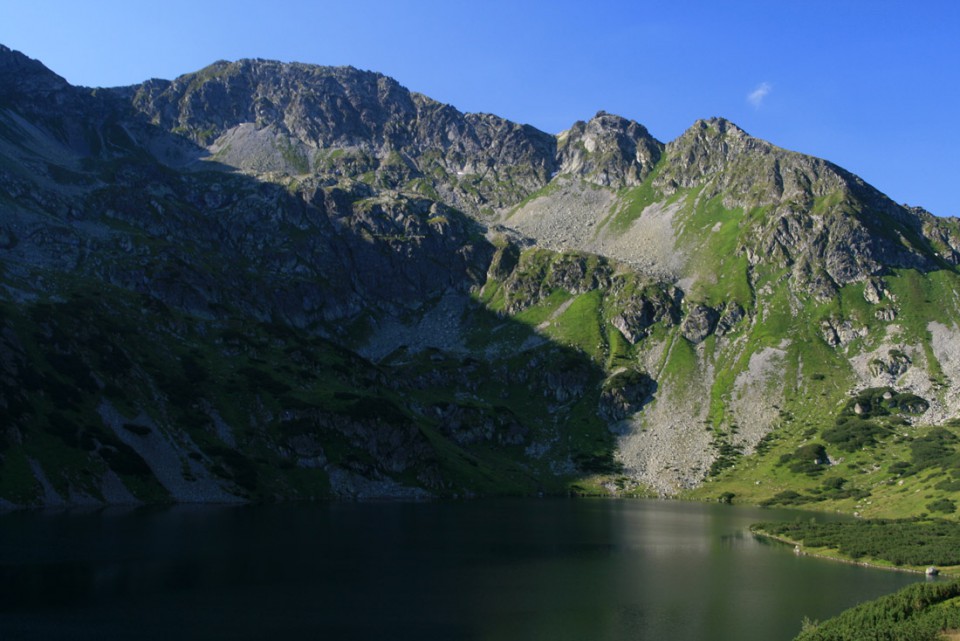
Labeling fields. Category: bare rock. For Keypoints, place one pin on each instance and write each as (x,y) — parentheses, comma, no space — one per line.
(840,333)
(699,323)
(874,291)
(608,150)
(625,394)
(732,314)
(885,314)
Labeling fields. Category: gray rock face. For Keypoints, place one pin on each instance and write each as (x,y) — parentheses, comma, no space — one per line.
(943,234)
(641,312)
(895,364)
(608,150)
(468,426)
(625,394)
(874,291)
(338,121)
(566,385)
(825,223)
(886,314)
(839,334)
(633,323)
(24,77)
(732,315)
(394,446)
(699,323)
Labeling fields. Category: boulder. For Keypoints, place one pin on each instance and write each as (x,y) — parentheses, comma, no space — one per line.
(699,323)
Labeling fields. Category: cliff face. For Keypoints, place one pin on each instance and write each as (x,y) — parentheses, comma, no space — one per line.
(267,280)
(331,123)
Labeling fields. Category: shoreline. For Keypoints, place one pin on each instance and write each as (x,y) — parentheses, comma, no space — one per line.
(799,550)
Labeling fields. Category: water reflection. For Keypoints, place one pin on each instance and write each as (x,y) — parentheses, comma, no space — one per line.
(503,570)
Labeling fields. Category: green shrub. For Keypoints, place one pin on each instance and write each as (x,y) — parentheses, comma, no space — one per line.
(901,542)
(935,449)
(942,505)
(902,468)
(852,433)
(918,612)
(787,497)
(810,459)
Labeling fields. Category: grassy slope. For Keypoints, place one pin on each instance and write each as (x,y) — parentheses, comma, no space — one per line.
(910,471)
(817,378)
(814,405)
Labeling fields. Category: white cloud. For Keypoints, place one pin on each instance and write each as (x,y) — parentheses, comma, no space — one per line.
(757,96)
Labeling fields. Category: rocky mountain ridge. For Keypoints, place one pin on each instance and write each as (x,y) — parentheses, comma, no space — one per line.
(266,280)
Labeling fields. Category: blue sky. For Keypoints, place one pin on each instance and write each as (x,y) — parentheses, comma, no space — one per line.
(873,86)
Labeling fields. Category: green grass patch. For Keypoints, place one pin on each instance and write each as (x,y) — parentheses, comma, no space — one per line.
(681,363)
(544,308)
(579,325)
(712,232)
(629,207)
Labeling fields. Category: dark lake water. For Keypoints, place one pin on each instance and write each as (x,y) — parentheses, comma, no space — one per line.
(484,570)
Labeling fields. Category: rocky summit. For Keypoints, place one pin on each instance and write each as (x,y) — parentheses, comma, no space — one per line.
(268,281)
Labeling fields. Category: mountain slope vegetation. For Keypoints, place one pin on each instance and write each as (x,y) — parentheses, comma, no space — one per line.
(264,281)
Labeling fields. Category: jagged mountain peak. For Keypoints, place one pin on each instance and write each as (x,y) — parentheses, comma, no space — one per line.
(748,171)
(605,119)
(268,117)
(605,123)
(279,76)
(717,137)
(609,150)
(720,124)
(20,74)
(289,96)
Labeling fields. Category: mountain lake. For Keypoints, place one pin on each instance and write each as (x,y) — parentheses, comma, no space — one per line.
(522,569)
